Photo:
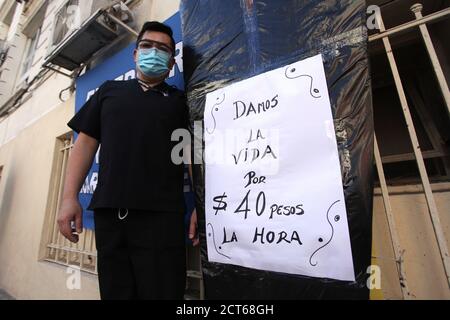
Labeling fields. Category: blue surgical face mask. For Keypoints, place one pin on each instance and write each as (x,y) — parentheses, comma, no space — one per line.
(153,62)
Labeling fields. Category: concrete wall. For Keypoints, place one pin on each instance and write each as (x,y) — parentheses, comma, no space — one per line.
(423,266)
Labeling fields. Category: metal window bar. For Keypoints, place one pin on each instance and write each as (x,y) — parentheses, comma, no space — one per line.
(398,252)
(432,208)
(417,10)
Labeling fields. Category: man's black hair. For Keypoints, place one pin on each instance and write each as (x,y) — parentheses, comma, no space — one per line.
(159,27)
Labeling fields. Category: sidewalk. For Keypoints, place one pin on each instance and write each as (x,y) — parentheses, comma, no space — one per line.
(5,296)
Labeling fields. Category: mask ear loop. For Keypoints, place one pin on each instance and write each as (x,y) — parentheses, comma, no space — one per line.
(120,215)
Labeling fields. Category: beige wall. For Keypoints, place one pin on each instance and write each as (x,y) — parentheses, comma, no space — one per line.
(163,9)
(3,31)
(17,43)
(423,266)
(24,188)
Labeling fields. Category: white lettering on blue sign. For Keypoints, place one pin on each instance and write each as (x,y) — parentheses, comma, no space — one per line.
(90,184)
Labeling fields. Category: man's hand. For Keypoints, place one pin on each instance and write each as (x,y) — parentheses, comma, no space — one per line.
(193,236)
(70,213)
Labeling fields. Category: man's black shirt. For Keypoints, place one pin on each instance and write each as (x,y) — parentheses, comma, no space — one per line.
(134,128)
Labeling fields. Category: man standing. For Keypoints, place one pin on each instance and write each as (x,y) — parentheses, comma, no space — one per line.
(139,202)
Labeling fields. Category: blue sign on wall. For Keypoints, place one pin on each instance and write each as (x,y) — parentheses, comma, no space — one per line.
(122,67)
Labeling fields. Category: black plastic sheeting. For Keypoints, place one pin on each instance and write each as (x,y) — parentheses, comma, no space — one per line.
(229,41)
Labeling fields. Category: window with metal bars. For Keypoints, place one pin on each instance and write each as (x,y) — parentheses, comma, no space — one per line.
(59,250)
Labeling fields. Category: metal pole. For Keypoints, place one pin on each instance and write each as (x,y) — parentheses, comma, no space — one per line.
(398,252)
(434,17)
(417,10)
(435,220)
(57,71)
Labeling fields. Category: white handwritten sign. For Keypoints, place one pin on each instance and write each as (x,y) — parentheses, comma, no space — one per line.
(274,195)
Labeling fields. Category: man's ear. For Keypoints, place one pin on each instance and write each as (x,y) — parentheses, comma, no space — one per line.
(135,55)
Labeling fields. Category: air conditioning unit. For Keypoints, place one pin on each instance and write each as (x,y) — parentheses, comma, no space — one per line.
(70,17)
(81,31)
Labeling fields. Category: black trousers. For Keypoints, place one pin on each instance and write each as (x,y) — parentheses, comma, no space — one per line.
(141,256)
